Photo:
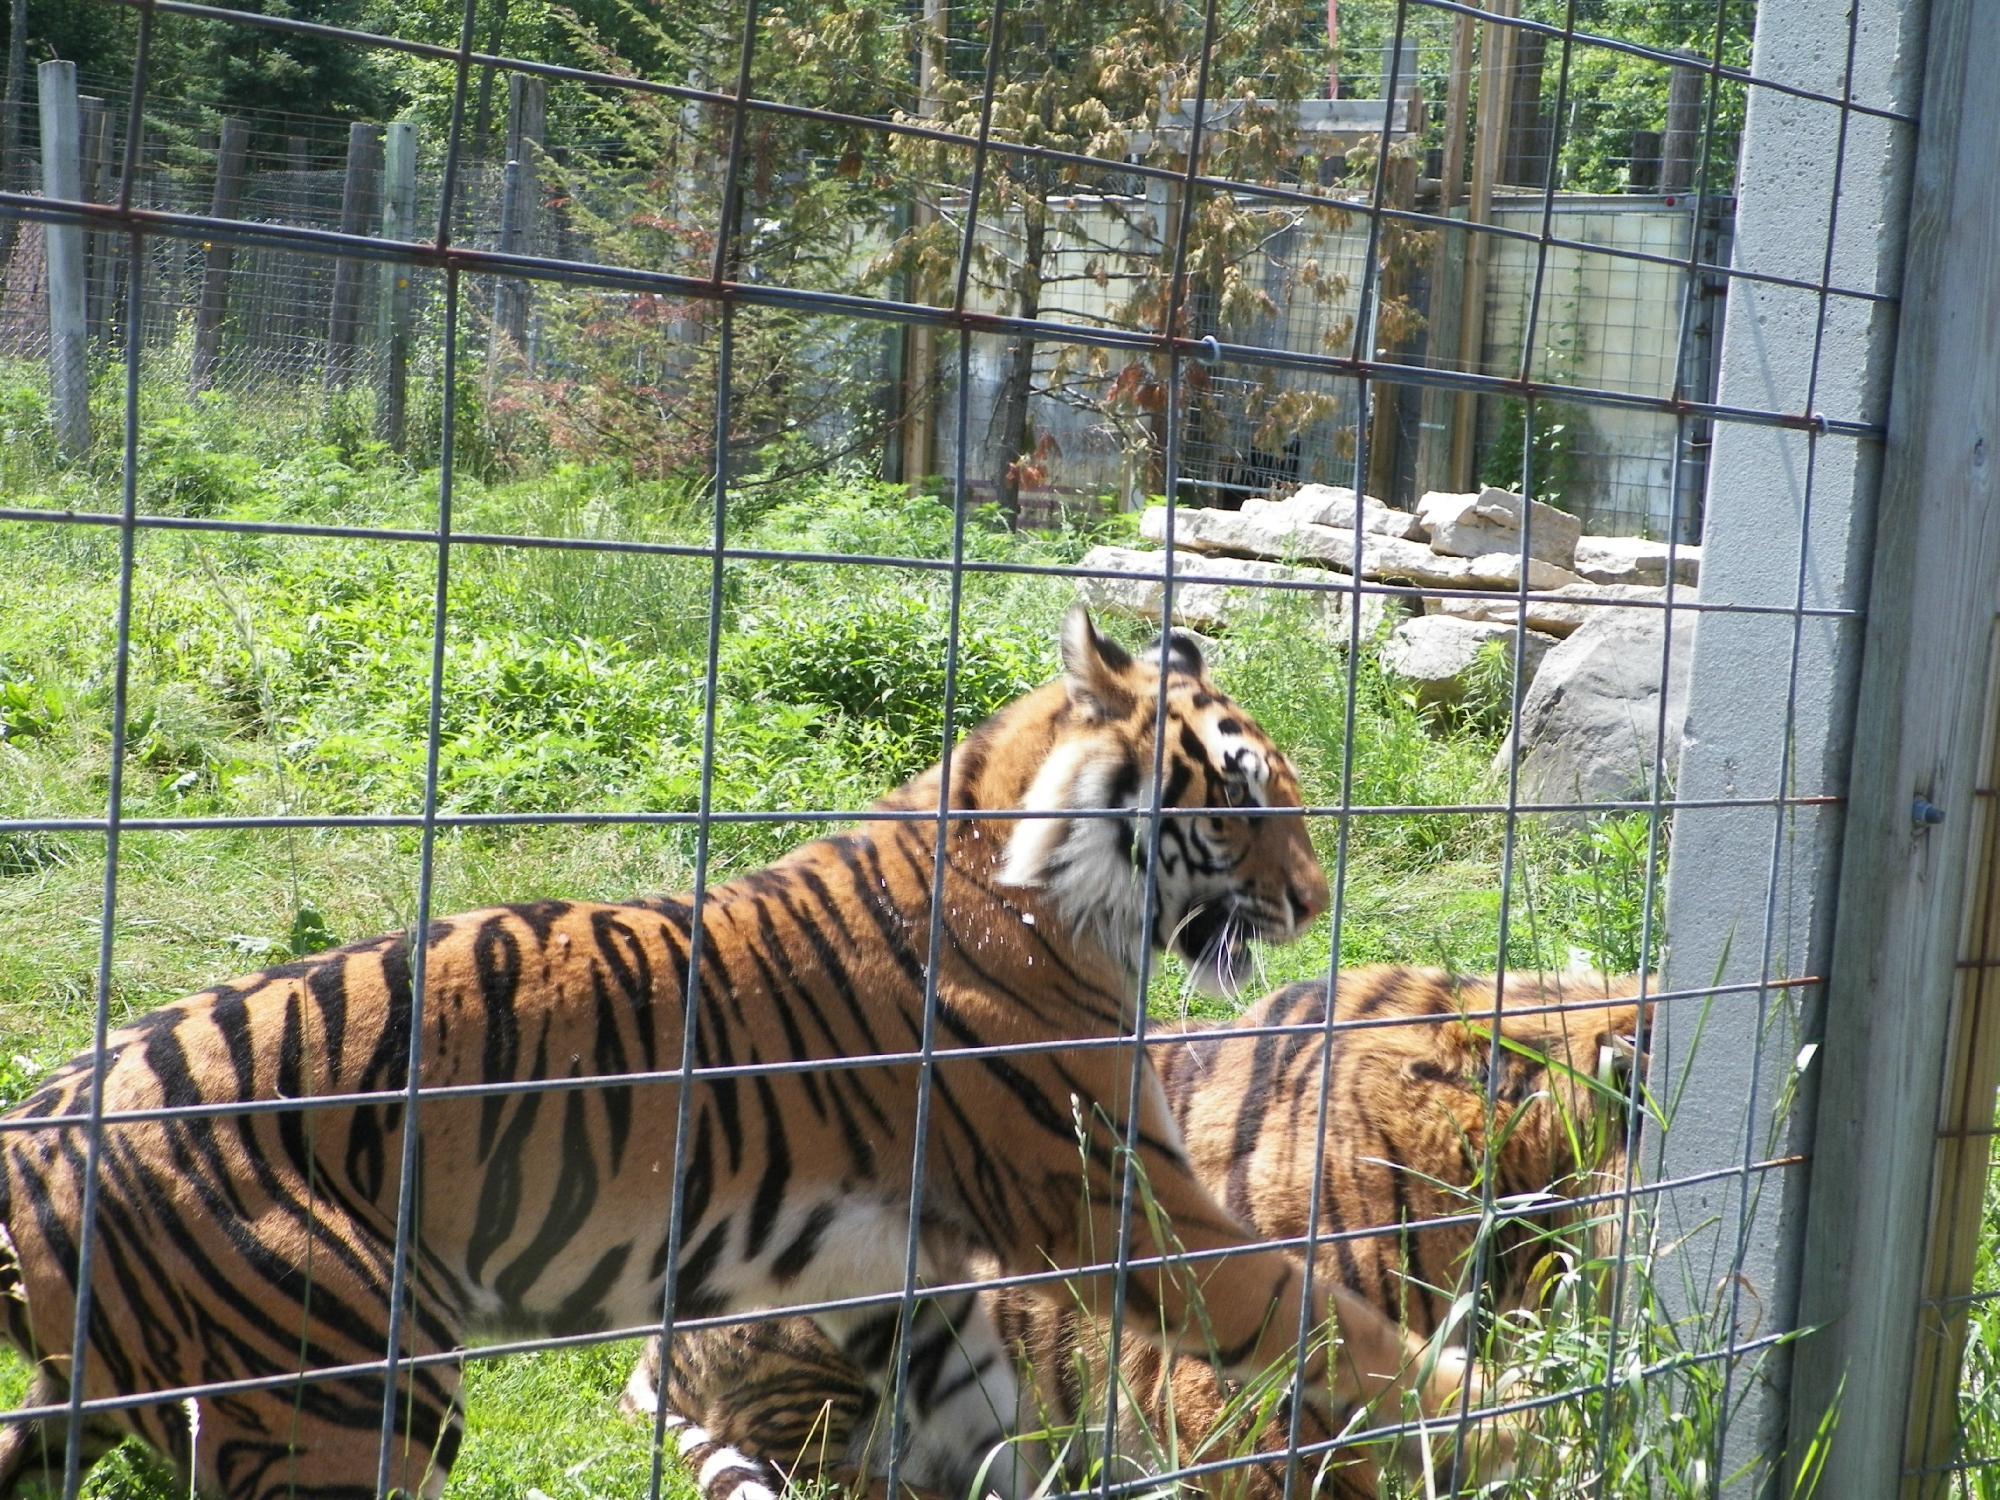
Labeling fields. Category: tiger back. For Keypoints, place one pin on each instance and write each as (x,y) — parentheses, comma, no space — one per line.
(1407,1123)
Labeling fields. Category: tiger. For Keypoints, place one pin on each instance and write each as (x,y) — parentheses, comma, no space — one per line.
(239,1240)
(754,1406)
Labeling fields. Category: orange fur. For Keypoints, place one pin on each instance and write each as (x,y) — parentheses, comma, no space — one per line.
(1407,1124)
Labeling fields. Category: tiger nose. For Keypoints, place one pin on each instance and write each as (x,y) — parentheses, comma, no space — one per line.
(1308,895)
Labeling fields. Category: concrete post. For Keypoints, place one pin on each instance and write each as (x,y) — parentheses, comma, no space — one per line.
(1750,892)
(62,178)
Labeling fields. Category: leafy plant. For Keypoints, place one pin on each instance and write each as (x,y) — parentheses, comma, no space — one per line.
(881,661)
(1561,431)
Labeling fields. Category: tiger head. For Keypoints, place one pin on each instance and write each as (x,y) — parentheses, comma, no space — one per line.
(1228,874)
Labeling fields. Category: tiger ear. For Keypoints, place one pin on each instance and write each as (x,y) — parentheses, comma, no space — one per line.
(1092,663)
(1183,654)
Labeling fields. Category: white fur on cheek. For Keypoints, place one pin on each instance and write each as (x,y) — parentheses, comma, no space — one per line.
(1081,863)
(1036,840)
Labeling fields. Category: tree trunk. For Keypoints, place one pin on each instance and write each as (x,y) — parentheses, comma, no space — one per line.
(482,114)
(10,116)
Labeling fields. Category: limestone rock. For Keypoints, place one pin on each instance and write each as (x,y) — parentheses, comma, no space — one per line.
(1631,559)
(1269,534)
(1216,606)
(1589,722)
(1333,505)
(1573,605)
(1502,570)
(1436,653)
(1490,521)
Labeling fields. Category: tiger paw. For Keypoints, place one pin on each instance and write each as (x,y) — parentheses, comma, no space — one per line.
(1463,1450)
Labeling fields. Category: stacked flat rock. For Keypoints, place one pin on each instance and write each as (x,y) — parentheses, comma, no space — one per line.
(1467,546)
(1631,559)
(1213,606)
(1276,536)
(1490,521)
(1567,610)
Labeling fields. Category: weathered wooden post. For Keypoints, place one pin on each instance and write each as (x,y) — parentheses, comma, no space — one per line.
(94,158)
(1438,407)
(62,177)
(218,255)
(301,271)
(1913,799)
(918,398)
(399,221)
(526,116)
(1399,190)
(1680,148)
(357,211)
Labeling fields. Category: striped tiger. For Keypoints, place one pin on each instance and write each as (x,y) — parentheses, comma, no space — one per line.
(251,1244)
(1406,1134)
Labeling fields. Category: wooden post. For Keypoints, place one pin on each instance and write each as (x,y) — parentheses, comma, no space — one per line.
(1333,49)
(502,346)
(1680,149)
(1525,162)
(1447,271)
(218,255)
(62,177)
(93,160)
(919,394)
(1905,879)
(1399,190)
(526,112)
(399,222)
(357,211)
(1495,77)
(1965,1140)
(300,271)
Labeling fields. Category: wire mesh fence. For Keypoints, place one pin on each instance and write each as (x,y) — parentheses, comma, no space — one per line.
(918,1152)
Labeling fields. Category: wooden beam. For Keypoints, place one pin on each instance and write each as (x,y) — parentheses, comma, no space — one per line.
(1680,145)
(399,222)
(1399,190)
(1439,407)
(357,212)
(917,401)
(1496,76)
(1923,710)
(527,115)
(219,255)
(1965,1142)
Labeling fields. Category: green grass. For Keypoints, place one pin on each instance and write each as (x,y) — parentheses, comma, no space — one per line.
(289,676)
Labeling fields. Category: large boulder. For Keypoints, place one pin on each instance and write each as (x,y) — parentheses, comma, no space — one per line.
(1216,607)
(1632,559)
(1270,534)
(1562,613)
(1490,521)
(1589,722)
(1436,654)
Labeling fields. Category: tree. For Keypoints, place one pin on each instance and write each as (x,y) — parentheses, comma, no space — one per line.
(1117,85)
(634,375)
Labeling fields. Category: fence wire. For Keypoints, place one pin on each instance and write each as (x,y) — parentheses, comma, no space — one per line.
(1632,385)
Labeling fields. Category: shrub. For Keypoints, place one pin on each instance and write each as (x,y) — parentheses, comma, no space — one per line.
(880,660)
